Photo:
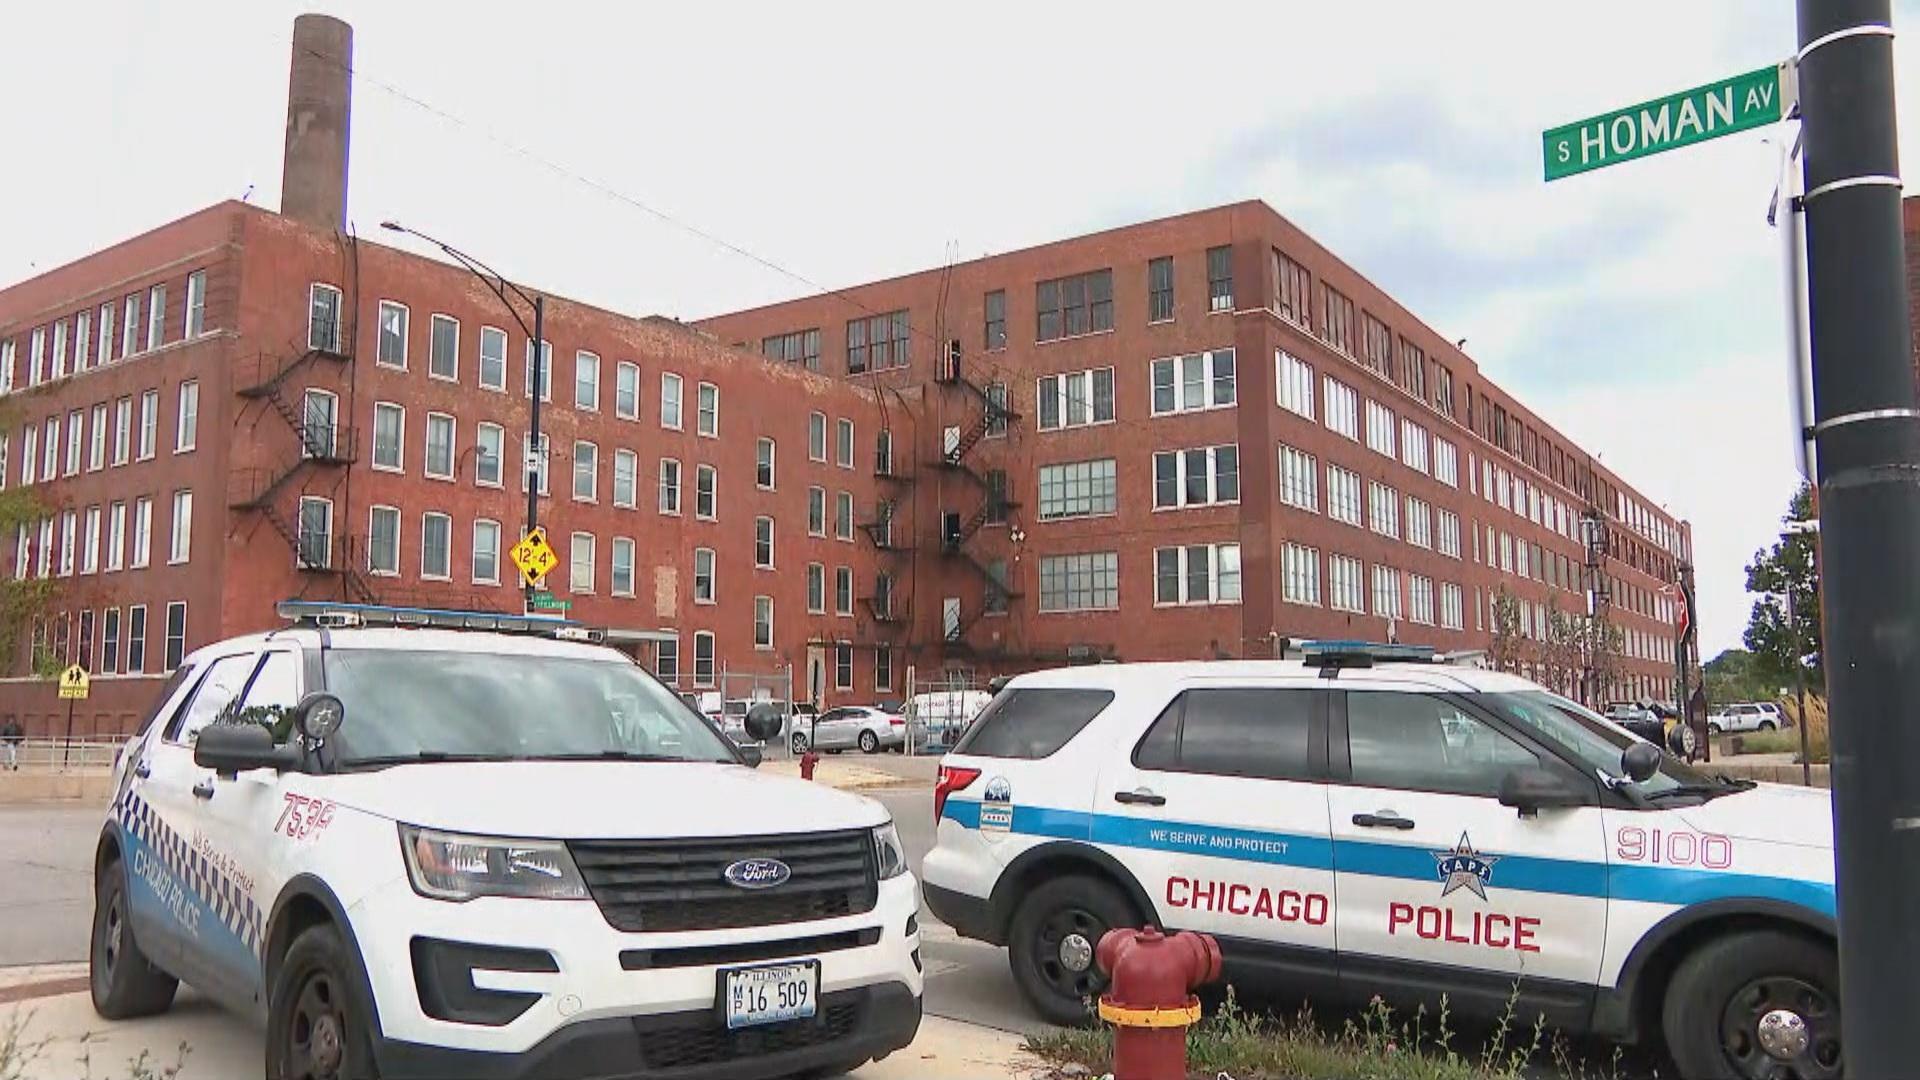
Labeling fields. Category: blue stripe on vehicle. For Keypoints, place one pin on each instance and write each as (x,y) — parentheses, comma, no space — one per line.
(1525,873)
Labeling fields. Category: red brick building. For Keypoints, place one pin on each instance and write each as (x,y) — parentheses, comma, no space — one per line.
(1199,436)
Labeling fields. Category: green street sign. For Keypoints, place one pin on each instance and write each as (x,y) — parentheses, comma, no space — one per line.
(546,601)
(1746,101)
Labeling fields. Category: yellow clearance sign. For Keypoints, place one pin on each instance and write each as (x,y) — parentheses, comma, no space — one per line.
(534,556)
(74,683)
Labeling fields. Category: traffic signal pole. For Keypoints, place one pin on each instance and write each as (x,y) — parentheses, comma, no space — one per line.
(1868,435)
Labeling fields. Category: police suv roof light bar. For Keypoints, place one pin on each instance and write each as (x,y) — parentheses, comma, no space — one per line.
(1331,657)
(340,616)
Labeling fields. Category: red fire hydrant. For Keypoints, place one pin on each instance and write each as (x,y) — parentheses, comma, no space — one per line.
(807,761)
(1151,1002)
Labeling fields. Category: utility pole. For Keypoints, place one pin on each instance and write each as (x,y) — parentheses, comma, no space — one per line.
(1868,464)
(537,469)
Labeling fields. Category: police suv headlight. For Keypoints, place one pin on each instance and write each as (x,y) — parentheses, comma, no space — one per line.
(450,866)
(888,856)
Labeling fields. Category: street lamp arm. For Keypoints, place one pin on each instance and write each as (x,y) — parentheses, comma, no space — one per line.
(492,278)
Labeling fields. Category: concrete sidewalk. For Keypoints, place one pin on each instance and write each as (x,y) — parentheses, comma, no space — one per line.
(68,1041)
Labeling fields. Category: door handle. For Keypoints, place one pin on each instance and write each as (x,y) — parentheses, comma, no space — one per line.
(141,769)
(203,789)
(1387,820)
(1139,798)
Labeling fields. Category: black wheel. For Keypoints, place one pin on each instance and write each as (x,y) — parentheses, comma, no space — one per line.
(1767,725)
(1755,1005)
(1050,945)
(799,742)
(869,743)
(125,983)
(316,1028)
(1681,741)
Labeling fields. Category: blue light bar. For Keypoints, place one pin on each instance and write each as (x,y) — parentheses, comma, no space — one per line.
(342,615)
(1335,653)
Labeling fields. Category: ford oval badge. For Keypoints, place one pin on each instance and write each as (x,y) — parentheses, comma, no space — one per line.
(758,873)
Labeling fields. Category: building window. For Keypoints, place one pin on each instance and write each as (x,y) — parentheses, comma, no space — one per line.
(110,640)
(1343,495)
(1344,584)
(1294,379)
(626,470)
(122,433)
(116,540)
(1446,462)
(997,410)
(136,639)
(800,347)
(1450,613)
(490,449)
(666,661)
(816,511)
(129,334)
(703,591)
(29,447)
(76,440)
(1070,306)
(702,658)
(1336,319)
(439,460)
(1383,510)
(96,442)
(706,481)
(843,590)
(142,535)
(493,358)
(707,411)
(817,437)
(997,497)
(536,460)
(1386,592)
(1379,429)
(1290,290)
(436,546)
(843,666)
(1300,575)
(319,410)
(1419,523)
(1420,599)
(620,581)
(486,552)
(877,343)
(669,486)
(82,340)
(1081,582)
(843,443)
(1412,372)
(383,543)
(1299,479)
(69,538)
(389,431)
(586,381)
(1197,574)
(1413,446)
(883,450)
(1078,489)
(626,391)
(1219,279)
(1376,346)
(586,472)
(176,649)
(580,563)
(546,370)
(763,543)
(843,515)
(995,336)
(1198,477)
(316,532)
(1075,399)
(670,385)
(181,547)
(443,348)
(156,317)
(149,427)
(882,668)
(90,542)
(1160,288)
(1193,382)
(763,622)
(816,589)
(392,350)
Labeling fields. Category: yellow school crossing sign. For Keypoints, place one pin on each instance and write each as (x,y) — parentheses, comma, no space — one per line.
(73,683)
(534,556)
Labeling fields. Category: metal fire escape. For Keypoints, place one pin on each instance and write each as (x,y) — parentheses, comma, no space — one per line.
(886,528)
(323,450)
(958,530)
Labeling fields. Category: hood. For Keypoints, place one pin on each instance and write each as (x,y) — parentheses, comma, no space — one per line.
(595,800)
(1773,813)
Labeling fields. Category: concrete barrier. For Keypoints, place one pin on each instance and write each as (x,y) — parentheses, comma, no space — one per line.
(34,787)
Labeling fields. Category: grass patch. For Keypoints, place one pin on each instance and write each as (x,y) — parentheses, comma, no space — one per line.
(1376,1045)
(1784,742)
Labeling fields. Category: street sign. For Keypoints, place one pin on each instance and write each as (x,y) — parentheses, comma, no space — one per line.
(534,556)
(546,601)
(1752,100)
(74,683)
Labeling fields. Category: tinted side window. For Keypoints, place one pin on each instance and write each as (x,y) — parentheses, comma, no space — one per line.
(1031,723)
(1425,744)
(223,682)
(181,674)
(1234,732)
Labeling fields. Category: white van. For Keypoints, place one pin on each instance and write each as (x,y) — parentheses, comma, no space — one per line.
(936,720)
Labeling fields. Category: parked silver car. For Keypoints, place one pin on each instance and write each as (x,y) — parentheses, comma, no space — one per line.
(870,728)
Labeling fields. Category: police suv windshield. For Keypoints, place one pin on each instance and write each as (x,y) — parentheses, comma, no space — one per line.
(1593,742)
(413,705)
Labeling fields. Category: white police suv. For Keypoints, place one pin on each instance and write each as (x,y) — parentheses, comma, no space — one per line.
(491,852)
(1364,824)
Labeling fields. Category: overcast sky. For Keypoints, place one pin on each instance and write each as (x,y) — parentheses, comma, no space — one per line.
(1637,308)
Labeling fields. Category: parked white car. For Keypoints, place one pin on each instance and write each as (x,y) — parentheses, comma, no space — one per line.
(423,852)
(867,727)
(1761,716)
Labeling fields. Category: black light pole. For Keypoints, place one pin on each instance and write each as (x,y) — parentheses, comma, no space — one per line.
(535,334)
(1869,504)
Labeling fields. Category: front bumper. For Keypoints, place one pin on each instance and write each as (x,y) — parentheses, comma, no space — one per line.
(853,1027)
(590,987)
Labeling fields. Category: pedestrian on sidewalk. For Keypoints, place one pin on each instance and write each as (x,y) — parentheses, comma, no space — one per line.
(10,735)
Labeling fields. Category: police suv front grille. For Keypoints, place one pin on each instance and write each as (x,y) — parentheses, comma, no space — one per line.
(707,1041)
(665,885)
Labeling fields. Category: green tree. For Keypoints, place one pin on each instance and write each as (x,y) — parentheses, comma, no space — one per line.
(1735,675)
(26,599)
(1508,650)
(1786,566)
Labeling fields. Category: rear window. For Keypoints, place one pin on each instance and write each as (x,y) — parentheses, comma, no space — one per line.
(1031,723)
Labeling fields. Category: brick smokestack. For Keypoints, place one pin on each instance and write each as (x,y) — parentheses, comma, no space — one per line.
(313,178)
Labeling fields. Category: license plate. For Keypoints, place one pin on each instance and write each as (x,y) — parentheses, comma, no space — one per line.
(771,995)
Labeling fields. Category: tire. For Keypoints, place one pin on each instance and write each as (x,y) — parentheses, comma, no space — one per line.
(1767,725)
(799,743)
(125,983)
(1044,945)
(869,743)
(317,1028)
(1715,729)
(1682,742)
(1719,995)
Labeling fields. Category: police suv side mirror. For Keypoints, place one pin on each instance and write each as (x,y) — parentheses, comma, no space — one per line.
(231,748)
(764,722)
(1532,789)
(1640,761)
